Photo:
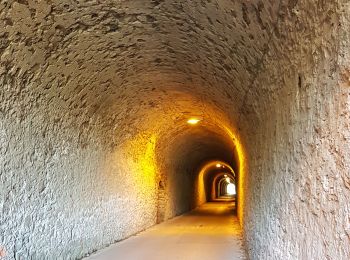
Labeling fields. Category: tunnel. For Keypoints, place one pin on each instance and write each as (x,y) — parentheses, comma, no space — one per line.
(116,116)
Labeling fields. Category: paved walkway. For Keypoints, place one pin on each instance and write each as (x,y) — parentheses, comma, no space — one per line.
(210,232)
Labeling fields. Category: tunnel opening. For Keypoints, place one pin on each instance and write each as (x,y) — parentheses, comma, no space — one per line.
(193,165)
(224,185)
(216,177)
(230,189)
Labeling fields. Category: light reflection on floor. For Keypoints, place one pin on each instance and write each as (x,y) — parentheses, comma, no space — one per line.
(211,232)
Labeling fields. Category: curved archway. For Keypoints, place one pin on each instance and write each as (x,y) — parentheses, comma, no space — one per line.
(188,149)
(209,176)
(221,185)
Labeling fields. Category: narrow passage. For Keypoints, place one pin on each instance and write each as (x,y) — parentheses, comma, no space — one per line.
(210,232)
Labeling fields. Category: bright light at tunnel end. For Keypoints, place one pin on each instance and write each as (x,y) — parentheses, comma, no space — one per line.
(231,189)
(193,121)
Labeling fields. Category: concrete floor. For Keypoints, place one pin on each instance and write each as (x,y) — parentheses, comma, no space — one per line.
(210,232)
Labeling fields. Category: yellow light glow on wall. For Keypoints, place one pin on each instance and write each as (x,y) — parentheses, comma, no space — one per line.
(241,173)
(140,162)
(193,121)
(147,161)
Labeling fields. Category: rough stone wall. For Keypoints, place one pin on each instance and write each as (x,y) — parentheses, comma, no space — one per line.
(298,183)
(64,191)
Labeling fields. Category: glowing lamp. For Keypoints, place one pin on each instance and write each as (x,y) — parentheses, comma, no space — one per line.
(193,121)
(218,165)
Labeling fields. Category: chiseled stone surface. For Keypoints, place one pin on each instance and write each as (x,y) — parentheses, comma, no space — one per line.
(297,204)
(95,94)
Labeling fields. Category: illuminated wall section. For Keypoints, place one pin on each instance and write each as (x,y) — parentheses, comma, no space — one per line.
(240,155)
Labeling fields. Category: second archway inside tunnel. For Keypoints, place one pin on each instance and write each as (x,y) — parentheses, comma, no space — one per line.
(223,185)
(195,159)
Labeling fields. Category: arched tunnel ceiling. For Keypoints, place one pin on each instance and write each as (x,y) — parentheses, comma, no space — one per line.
(194,147)
(126,60)
(90,89)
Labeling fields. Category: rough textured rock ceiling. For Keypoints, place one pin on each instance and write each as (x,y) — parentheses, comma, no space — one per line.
(128,59)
